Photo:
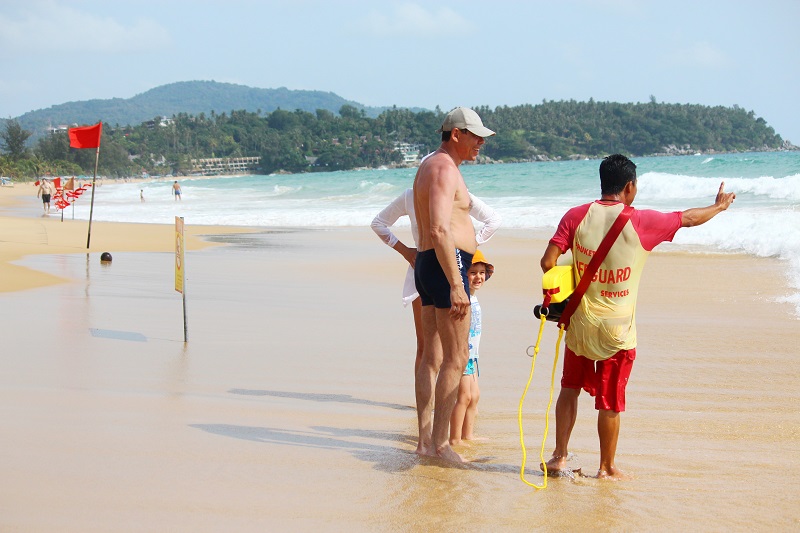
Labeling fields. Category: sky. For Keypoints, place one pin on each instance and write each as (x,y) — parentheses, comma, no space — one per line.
(412,53)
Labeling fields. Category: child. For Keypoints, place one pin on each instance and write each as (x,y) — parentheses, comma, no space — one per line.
(462,420)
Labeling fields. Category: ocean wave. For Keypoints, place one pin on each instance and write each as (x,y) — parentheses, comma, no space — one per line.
(281,190)
(787,188)
(377,188)
(768,233)
(664,186)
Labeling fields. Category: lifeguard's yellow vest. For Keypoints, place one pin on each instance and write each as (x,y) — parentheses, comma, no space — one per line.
(604,322)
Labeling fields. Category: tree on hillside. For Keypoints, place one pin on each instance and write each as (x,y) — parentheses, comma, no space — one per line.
(6,168)
(37,166)
(53,147)
(13,140)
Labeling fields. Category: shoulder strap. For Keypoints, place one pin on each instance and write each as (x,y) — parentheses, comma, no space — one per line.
(594,264)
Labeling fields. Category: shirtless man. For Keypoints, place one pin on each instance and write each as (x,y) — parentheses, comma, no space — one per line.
(45,191)
(446,245)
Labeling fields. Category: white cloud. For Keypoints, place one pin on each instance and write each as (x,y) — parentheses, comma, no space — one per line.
(700,54)
(47,27)
(414,20)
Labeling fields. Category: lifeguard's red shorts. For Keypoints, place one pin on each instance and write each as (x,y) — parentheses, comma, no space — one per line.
(605,380)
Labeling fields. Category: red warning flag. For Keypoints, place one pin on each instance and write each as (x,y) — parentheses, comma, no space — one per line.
(77,192)
(86,137)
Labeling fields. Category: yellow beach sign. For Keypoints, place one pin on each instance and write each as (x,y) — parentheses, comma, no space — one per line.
(179,272)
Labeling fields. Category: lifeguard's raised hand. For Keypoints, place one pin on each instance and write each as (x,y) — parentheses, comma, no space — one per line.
(725,199)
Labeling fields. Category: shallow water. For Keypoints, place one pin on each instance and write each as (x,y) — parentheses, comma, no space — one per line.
(290,407)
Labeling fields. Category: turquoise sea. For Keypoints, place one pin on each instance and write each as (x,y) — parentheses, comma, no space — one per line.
(764,221)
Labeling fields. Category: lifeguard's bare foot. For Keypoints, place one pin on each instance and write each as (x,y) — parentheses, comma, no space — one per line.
(423,449)
(556,464)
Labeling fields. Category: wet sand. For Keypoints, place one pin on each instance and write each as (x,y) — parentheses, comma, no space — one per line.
(290,408)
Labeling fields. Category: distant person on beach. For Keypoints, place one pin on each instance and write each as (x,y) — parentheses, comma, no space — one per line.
(446,246)
(45,191)
(462,421)
(141,195)
(601,338)
(176,190)
(402,206)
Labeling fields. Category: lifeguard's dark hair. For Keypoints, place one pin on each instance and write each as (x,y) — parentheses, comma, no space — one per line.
(616,171)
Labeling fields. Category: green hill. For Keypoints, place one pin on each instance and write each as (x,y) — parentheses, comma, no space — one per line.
(302,131)
(192,97)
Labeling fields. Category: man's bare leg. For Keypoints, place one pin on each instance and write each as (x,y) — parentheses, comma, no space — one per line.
(608,423)
(416,306)
(566,414)
(425,380)
(454,335)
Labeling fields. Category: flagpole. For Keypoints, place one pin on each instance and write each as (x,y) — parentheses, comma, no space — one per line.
(91,207)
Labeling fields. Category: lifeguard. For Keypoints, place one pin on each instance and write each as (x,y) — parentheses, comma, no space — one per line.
(601,339)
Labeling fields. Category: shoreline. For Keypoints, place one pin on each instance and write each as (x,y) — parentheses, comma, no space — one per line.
(482,160)
(37,235)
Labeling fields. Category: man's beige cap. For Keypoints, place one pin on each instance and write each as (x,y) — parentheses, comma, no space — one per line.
(465,118)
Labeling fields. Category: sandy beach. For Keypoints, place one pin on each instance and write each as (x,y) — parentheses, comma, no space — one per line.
(290,408)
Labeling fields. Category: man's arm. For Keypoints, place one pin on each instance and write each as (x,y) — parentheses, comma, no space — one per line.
(550,257)
(701,215)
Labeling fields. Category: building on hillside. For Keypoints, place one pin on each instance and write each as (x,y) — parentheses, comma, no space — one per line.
(410,152)
(212,166)
(55,129)
(163,122)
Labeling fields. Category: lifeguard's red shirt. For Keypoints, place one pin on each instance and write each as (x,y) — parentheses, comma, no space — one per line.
(604,322)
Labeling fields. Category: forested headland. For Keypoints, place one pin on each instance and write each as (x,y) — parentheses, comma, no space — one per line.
(303,141)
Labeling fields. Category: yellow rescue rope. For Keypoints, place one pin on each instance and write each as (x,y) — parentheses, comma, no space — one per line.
(549,404)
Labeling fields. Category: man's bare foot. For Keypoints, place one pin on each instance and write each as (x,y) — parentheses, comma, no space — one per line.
(446,452)
(454,442)
(613,474)
(423,449)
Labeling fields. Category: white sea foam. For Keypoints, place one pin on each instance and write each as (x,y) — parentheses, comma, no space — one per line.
(376,187)
(280,190)
(662,186)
